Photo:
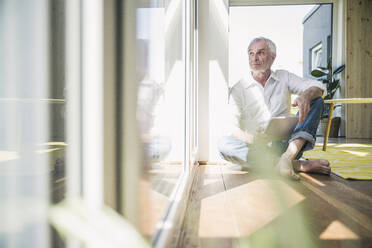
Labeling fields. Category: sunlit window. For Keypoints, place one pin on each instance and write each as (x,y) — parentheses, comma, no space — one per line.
(316,56)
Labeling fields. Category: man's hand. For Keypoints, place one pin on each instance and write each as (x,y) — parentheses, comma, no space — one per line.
(257,138)
(303,104)
(260,138)
(303,101)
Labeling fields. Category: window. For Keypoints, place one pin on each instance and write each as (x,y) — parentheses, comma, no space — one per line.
(160,42)
(316,56)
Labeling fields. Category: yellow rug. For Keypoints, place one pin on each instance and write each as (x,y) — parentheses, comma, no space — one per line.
(349,161)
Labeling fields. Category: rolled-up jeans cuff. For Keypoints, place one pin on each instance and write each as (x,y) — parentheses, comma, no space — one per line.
(306,136)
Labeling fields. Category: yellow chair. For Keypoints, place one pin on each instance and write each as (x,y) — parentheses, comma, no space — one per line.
(333,102)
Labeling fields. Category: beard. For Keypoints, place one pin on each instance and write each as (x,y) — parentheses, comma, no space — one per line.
(263,69)
(259,71)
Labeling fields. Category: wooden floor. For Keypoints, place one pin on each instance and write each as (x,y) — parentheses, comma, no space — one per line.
(230,207)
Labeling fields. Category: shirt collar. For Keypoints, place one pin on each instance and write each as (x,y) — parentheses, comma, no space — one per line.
(274,75)
(248,79)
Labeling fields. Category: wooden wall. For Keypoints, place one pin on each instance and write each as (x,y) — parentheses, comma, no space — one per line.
(359,67)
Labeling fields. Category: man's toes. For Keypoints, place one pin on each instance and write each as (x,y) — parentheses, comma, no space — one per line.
(284,171)
(295,176)
(287,172)
(326,170)
(323,162)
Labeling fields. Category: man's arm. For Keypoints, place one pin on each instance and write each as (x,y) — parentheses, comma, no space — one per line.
(248,113)
(249,138)
(243,136)
(304,99)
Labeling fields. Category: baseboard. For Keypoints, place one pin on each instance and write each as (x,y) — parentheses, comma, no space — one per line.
(213,163)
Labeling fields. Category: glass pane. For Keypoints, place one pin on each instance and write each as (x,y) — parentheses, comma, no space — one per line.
(161,103)
(32,148)
(25,152)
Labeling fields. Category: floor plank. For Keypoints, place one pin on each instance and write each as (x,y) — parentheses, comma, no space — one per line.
(230,207)
(209,221)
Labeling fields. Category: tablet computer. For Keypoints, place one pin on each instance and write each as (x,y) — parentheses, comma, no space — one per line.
(280,128)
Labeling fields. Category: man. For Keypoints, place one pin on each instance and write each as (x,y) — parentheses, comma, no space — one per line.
(150,109)
(264,94)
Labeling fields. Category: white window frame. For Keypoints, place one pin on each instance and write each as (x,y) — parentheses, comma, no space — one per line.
(84,77)
(316,56)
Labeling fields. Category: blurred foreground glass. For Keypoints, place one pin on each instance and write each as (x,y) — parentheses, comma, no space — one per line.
(32,167)
(24,120)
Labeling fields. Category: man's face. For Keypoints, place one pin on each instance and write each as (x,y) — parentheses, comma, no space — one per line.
(260,57)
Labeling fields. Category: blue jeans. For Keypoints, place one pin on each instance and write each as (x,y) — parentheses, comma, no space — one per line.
(239,152)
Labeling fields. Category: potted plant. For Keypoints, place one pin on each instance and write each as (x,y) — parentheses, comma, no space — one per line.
(328,76)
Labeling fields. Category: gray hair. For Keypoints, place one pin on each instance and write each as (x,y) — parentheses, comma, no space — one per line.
(269,43)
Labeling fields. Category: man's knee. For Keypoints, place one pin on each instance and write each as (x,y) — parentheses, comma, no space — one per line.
(318,102)
(233,150)
(317,106)
(224,146)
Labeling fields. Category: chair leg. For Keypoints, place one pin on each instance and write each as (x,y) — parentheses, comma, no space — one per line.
(328,127)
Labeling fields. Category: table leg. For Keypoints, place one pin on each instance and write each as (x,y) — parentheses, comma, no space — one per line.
(328,127)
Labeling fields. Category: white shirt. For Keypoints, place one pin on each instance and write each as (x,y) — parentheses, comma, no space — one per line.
(252,105)
(150,104)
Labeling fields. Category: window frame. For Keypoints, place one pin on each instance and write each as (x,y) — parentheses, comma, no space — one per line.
(316,56)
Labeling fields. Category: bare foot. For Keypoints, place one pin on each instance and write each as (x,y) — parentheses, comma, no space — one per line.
(285,168)
(320,166)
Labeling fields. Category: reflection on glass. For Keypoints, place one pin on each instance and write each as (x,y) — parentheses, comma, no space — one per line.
(161,103)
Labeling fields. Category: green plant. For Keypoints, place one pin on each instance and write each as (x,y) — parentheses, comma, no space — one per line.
(328,77)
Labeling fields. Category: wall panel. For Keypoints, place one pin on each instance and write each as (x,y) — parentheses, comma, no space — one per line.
(358,67)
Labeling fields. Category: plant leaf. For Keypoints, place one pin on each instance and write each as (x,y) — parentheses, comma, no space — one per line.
(339,69)
(318,73)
